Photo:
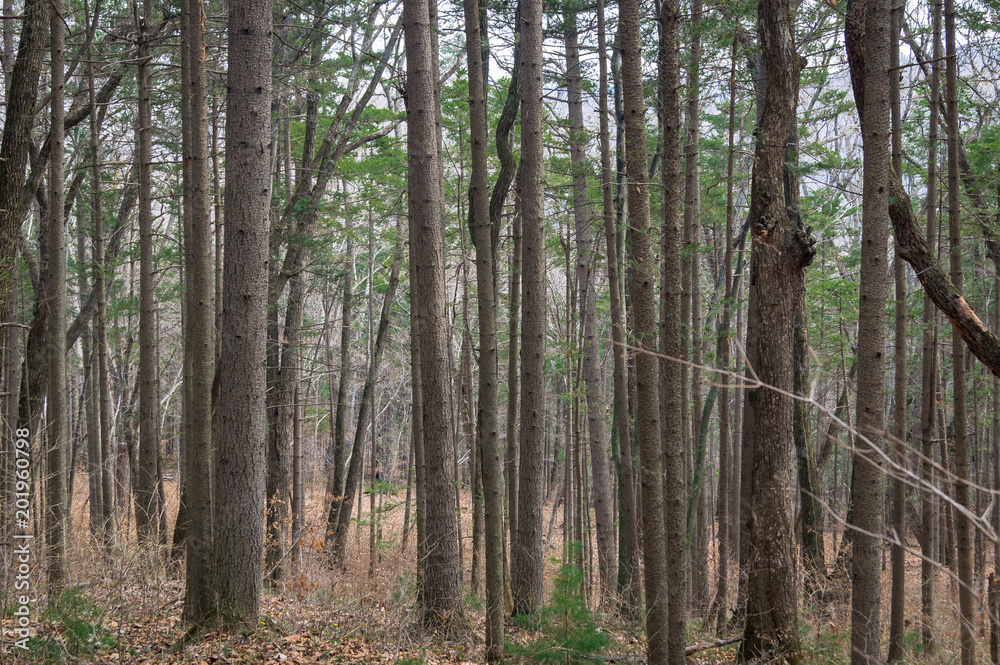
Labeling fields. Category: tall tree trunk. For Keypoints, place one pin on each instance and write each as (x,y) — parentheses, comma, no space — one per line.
(928,401)
(644,308)
(781,251)
(628,561)
(201,582)
(867,494)
(528,557)
(441,594)
(57,412)
(692,222)
(240,499)
(726,467)
(963,526)
(587,298)
(108,507)
(147,517)
(897,598)
(488,417)
(672,484)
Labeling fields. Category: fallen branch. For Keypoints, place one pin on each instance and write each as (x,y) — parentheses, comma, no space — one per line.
(695,648)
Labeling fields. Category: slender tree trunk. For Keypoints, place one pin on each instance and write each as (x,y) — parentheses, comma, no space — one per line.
(928,402)
(725,440)
(354,472)
(200,604)
(528,557)
(57,412)
(147,517)
(898,597)
(101,328)
(336,488)
(963,526)
(587,299)
(644,308)
(672,484)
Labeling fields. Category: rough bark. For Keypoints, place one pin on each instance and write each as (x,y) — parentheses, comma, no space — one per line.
(57,407)
(487,417)
(528,557)
(147,515)
(672,484)
(200,599)
(587,299)
(781,252)
(644,308)
(18,122)
(867,491)
(240,497)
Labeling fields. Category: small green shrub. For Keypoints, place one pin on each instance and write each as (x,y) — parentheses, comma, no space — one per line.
(80,630)
(568,632)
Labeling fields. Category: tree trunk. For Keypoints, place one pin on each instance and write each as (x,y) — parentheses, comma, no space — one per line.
(898,597)
(488,416)
(628,561)
(587,299)
(336,488)
(57,411)
(867,492)
(147,517)
(644,308)
(18,123)
(354,472)
(781,252)
(528,557)
(928,401)
(963,526)
(240,500)
(200,600)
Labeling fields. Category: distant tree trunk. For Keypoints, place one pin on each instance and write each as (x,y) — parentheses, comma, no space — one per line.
(108,507)
(147,516)
(781,251)
(963,526)
(928,401)
(336,488)
(201,582)
(528,556)
(354,472)
(812,535)
(644,308)
(897,601)
(587,298)
(57,413)
(725,439)
(498,197)
(692,222)
(866,492)
(240,500)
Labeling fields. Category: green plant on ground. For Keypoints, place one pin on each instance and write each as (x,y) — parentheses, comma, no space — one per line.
(567,630)
(79,630)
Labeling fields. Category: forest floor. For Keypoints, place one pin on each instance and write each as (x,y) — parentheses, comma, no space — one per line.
(123,610)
